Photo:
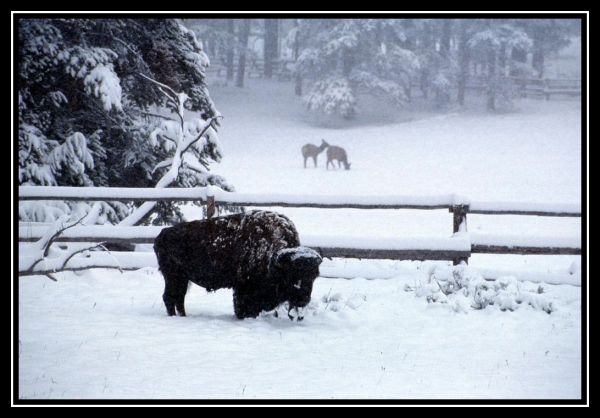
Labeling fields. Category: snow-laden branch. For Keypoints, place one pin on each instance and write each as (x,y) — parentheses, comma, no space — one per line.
(184,140)
(162,164)
(202,132)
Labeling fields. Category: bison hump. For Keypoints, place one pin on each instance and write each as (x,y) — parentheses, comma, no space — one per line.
(262,234)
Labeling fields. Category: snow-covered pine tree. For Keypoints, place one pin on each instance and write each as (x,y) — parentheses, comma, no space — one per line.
(547,36)
(346,56)
(494,42)
(86,113)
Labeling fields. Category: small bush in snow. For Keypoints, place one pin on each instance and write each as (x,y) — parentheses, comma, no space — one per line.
(463,288)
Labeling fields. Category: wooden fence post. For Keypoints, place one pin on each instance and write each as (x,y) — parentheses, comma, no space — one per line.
(460,217)
(210,207)
(459,225)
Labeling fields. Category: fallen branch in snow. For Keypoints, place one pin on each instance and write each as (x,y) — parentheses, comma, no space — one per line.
(50,273)
(74,253)
(32,255)
(46,241)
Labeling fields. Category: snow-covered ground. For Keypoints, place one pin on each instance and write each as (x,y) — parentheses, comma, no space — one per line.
(107,335)
(102,334)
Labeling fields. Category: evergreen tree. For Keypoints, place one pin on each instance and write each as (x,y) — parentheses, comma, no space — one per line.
(352,55)
(494,42)
(86,112)
(547,36)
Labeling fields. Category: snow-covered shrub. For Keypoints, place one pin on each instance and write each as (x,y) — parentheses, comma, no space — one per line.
(495,42)
(332,96)
(463,288)
(346,56)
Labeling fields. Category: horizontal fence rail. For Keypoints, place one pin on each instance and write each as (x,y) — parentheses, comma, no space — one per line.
(138,260)
(458,247)
(348,246)
(202,194)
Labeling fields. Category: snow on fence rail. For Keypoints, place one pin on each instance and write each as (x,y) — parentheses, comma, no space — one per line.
(347,246)
(412,248)
(204,194)
(457,248)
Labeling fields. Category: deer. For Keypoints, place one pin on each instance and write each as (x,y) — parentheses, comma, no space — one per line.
(339,154)
(310,150)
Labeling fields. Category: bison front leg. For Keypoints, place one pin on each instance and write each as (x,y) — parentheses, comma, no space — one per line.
(246,304)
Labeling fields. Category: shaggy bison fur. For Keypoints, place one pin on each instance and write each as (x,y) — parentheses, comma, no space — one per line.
(258,254)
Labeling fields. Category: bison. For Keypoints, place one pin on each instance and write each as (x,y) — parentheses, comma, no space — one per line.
(257,253)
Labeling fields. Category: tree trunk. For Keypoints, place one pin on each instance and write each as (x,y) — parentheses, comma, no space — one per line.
(538,51)
(298,77)
(347,62)
(492,85)
(270,45)
(212,49)
(538,58)
(518,54)
(502,60)
(463,58)
(230,48)
(378,35)
(426,45)
(443,97)
(445,39)
(243,35)
(298,86)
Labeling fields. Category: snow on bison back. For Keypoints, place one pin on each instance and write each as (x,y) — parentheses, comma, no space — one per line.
(257,253)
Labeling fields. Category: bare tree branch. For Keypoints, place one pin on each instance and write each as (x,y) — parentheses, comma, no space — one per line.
(80,251)
(157,116)
(163,86)
(51,277)
(57,233)
(47,272)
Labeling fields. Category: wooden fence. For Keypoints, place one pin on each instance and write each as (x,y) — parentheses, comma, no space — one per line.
(538,87)
(523,87)
(457,247)
(255,68)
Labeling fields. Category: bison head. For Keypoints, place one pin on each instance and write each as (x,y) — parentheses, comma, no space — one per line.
(295,269)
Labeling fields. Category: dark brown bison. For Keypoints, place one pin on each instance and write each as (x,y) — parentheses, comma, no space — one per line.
(258,254)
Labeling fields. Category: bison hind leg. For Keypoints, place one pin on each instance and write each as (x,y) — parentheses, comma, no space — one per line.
(174,296)
(169,303)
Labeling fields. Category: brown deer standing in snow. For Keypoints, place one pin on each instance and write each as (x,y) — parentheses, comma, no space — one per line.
(310,150)
(339,154)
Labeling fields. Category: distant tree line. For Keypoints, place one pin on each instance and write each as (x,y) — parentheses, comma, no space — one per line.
(335,59)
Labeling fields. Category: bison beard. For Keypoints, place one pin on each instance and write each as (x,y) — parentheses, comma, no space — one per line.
(258,254)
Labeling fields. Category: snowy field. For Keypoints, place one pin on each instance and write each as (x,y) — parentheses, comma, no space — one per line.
(102,334)
(106,335)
